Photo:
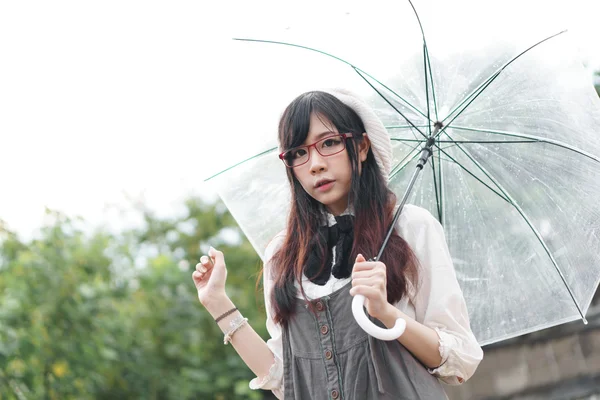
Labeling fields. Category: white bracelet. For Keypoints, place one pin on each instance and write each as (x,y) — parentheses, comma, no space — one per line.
(234,325)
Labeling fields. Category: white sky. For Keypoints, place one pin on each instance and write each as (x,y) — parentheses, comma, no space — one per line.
(101,101)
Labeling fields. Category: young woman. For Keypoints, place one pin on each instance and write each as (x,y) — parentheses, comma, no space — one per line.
(337,155)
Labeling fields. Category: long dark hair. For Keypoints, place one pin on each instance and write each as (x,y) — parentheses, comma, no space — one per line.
(306,213)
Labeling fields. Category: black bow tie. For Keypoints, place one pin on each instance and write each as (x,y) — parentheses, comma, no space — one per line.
(339,236)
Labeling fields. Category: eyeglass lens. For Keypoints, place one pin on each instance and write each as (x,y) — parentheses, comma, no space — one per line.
(326,147)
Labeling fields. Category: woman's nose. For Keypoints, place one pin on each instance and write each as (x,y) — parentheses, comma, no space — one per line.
(317,161)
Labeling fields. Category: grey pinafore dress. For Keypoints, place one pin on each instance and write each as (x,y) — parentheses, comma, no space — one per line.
(328,356)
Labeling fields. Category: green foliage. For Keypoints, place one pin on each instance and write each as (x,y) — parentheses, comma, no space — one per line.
(102,316)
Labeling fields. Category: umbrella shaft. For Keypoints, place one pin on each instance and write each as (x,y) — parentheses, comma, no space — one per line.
(425,154)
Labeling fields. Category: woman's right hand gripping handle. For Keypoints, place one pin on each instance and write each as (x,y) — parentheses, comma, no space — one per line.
(210,277)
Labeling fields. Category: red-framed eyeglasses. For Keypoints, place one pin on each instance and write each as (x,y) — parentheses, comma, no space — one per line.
(328,146)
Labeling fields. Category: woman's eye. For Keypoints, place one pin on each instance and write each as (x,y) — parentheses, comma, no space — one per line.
(331,142)
(298,153)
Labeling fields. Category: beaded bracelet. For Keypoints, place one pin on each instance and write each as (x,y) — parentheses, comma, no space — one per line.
(235,324)
(220,317)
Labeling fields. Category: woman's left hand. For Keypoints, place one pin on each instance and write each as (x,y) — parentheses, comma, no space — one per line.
(369,279)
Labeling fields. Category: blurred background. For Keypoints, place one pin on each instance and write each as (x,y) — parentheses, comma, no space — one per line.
(111,116)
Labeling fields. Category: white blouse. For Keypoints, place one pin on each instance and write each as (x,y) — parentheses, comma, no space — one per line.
(438,303)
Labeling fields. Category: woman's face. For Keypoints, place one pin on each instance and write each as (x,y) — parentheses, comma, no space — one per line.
(328,179)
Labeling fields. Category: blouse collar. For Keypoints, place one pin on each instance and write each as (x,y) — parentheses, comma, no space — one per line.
(330,218)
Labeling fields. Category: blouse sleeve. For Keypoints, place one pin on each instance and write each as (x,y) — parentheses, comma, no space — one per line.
(274,380)
(439,302)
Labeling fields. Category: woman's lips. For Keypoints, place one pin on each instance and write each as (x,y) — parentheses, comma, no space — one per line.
(325,187)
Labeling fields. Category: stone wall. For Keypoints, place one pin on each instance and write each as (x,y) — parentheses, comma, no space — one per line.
(558,363)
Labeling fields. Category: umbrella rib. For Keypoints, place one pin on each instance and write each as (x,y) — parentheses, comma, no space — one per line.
(516,104)
(405,161)
(470,97)
(455,143)
(425,75)
(336,58)
(541,240)
(472,174)
(404,126)
(240,163)
(468,141)
(360,71)
(427,68)
(416,139)
(435,109)
(477,91)
(391,91)
(391,105)
(532,138)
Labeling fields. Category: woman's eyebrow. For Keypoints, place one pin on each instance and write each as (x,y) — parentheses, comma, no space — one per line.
(323,134)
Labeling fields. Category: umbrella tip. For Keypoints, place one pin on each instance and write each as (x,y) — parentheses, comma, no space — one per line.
(585,322)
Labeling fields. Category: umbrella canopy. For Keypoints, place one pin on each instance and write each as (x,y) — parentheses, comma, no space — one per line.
(514,176)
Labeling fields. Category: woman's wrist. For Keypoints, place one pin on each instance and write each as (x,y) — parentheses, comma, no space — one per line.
(219,305)
(390,315)
(227,316)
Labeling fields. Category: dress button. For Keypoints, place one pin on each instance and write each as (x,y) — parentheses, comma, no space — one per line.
(335,394)
(324,329)
(319,306)
(328,354)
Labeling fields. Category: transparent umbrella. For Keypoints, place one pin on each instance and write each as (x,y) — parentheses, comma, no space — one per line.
(514,128)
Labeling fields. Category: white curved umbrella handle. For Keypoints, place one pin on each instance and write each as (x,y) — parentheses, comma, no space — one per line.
(380,333)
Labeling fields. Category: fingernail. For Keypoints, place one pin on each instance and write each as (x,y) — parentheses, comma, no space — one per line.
(203,270)
(203,259)
(211,250)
